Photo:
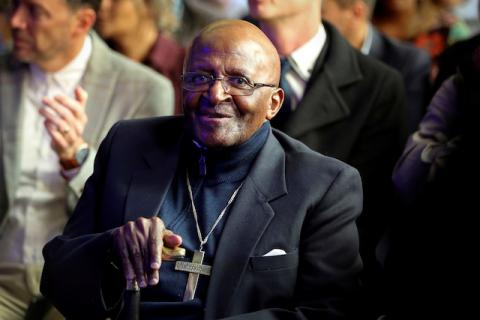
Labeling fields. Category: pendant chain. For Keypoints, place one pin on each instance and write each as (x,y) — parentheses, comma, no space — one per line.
(202,240)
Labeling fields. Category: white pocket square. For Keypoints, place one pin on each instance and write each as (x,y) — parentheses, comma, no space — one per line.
(275,252)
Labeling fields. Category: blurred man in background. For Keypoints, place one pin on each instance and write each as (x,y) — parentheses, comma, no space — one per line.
(50,133)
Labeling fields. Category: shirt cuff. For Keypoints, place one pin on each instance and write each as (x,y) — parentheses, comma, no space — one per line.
(70,173)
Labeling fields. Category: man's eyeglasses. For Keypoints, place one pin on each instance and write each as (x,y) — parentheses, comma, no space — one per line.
(233,85)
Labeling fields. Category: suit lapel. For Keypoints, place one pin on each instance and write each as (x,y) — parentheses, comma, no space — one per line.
(11,95)
(150,185)
(322,103)
(99,81)
(249,217)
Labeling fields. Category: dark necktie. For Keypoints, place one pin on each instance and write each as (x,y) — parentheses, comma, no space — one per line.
(286,109)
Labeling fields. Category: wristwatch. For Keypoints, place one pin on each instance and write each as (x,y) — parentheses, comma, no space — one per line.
(79,158)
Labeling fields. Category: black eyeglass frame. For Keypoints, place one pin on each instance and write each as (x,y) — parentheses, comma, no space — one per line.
(252,86)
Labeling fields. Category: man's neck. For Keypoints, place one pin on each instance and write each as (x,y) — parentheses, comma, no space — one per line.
(358,36)
(58,63)
(290,33)
(230,160)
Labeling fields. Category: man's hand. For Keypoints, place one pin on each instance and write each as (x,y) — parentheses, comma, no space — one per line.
(65,120)
(139,245)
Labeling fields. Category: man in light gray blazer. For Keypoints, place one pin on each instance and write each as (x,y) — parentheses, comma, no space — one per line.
(50,129)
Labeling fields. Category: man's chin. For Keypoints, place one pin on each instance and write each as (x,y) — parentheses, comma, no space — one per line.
(216,141)
(213,134)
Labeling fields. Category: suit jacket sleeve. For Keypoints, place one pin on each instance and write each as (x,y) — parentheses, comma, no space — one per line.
(83,250)
(428,148)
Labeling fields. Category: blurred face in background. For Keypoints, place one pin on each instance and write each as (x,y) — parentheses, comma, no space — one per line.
(44,31)
(274,9)
(336,15)
(118,17)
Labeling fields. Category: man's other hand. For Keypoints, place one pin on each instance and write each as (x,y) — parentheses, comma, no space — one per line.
(65,120)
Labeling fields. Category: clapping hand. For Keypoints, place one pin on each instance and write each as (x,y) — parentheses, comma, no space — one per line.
(65,120)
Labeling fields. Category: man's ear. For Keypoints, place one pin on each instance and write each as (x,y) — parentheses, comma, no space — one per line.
(85,19)
(276,101)
(360,10)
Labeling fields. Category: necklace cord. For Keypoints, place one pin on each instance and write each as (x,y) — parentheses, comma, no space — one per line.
(202,240)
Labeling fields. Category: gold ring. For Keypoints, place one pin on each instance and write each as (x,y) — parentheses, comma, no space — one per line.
(65,131)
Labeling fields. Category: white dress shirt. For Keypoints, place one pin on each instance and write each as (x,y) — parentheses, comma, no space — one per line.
(302,61)
(39,207)
(367,42)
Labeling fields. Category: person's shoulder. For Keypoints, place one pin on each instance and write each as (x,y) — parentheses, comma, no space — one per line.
(404,53)
(137,133)
(342,54)
(404,48)
(375,68)
(133,139)
(307,162)
(384,79)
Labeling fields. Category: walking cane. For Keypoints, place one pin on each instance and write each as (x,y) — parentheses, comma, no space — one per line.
(131,296)
(131,301)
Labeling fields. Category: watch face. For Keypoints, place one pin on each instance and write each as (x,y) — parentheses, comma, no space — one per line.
(82,155)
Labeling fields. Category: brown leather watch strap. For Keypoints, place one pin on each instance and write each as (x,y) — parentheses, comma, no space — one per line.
(69,164)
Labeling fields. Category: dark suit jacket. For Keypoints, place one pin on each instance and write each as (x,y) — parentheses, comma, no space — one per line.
(353,109)
(293,199)
(413,64)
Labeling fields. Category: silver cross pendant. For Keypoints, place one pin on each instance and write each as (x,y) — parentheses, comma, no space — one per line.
(195,269)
